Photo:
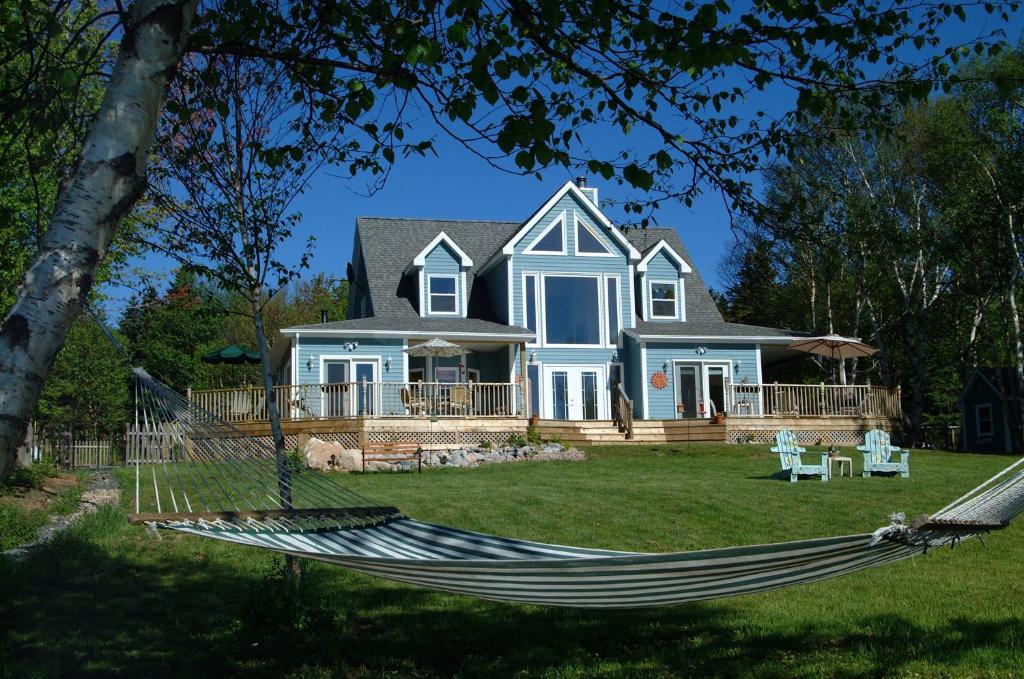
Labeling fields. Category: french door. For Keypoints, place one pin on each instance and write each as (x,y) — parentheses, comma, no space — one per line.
(349,388)
(700,388)
(575,392)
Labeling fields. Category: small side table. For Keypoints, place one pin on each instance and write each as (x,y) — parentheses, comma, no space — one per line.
(833,458)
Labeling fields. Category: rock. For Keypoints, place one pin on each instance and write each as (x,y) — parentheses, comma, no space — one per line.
(379,466)
(350,460)
(322,454)
(474,457)
(551,447)
(524,451)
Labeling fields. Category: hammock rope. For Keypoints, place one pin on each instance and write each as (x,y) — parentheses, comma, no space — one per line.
(217,482)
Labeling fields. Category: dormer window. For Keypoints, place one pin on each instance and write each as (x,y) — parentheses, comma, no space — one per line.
(551,241)
(441,299)
(664,296)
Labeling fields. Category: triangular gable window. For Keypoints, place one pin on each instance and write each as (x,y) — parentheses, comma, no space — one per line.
(587,242)
(551,241)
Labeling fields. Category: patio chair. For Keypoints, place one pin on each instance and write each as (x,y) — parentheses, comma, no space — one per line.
(415,405)
(879,455)
(459,400)
(791,461)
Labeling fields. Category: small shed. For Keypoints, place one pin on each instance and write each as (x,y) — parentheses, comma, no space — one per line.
(989,395)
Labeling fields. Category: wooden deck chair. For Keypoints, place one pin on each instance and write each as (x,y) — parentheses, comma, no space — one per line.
(459,400)
(413,404)
(879,455)
(791,461)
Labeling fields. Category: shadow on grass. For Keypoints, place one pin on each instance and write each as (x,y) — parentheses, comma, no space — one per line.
(75,608)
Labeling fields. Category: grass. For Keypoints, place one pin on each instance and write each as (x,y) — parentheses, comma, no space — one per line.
(27,501)
(107,599)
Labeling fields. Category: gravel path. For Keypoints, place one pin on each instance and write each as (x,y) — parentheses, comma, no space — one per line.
(101,489)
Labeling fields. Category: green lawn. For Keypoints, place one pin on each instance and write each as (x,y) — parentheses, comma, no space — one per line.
(108,599)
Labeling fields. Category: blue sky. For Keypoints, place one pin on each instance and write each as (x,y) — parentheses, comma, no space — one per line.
(455,184)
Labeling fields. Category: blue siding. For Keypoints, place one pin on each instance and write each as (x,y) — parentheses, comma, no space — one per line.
(662,401)
(633,372)
(497,291)
(442,261)
(314,348)
(663,268)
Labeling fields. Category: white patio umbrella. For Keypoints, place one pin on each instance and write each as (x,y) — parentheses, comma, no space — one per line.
(435,348)
(834,346)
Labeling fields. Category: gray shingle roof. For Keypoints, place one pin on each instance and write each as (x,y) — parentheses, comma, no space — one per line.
(389,246)
(414,323)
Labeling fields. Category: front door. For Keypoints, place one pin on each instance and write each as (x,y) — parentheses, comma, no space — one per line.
(575,392)
(688,391)
(349,388)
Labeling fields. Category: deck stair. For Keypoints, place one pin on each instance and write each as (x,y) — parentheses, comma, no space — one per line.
(598,432)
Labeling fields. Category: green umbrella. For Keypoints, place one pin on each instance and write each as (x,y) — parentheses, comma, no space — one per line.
(233,354)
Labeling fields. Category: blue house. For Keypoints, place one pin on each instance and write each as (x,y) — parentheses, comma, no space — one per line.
(556,316)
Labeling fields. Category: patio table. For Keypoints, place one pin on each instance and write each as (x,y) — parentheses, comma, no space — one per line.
(834,457)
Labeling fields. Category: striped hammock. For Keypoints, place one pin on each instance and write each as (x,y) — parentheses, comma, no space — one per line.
(214,481)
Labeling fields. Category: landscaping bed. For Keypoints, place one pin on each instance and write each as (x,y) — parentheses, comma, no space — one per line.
(30,497)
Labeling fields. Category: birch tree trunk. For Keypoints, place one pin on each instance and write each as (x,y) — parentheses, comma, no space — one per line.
(108,179)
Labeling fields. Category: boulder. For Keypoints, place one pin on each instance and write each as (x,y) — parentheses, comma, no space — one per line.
(350,460)
(321,454)
(379,466)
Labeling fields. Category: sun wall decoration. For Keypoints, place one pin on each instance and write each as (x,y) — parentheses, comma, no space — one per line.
(659,380)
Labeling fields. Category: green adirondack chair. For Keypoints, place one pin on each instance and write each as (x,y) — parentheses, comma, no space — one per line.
(789,457)
(880,455)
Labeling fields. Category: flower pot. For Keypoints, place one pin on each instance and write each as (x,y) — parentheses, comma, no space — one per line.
(534,420)
(719,418)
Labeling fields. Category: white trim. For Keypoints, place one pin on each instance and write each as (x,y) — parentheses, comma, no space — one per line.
(682,299)
(430,302)
(643,377)
(469,375)
(991,421)
(579,223)
(643,298)
(543,330)
(350,359)
(465,295)
(405,361)
(570,187)
(536,304)
(421,290)
(672,254)
(613,342)
(675,309)
(559,222)
(412,334)
(420,259)
(295,359)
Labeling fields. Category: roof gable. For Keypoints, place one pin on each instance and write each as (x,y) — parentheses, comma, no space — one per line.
(442,238)
(663,248)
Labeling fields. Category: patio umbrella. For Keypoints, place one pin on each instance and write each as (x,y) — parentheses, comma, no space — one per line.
(436,348)
(834,346)
(233,354)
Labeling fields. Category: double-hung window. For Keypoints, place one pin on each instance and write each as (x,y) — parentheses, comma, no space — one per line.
(983,419)
(663,299)
(442,295)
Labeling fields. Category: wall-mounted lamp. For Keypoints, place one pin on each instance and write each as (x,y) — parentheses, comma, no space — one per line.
(701,351)
(309,363)
(737,365)
(351,346)
(664,367)
(387,364)
(533,356)
(615,357)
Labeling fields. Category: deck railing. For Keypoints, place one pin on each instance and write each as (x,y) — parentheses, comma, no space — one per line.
(365,399)
(813,400)
(623,412)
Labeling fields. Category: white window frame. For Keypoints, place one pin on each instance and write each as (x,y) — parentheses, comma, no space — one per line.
(422,373)
(430,295)
(558,222)
(473,375)
(576,241)
(991,421)
(650,297)
(350,359)
(536,305)
(612,342)
(602,342)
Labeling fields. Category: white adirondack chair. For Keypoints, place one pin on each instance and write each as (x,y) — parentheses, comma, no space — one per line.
(791,461)
(880,455)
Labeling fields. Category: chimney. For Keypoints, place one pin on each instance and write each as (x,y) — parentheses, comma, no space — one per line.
(323,315)
(581,183)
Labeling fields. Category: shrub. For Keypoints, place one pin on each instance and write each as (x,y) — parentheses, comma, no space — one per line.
(486,445)
(533,435)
